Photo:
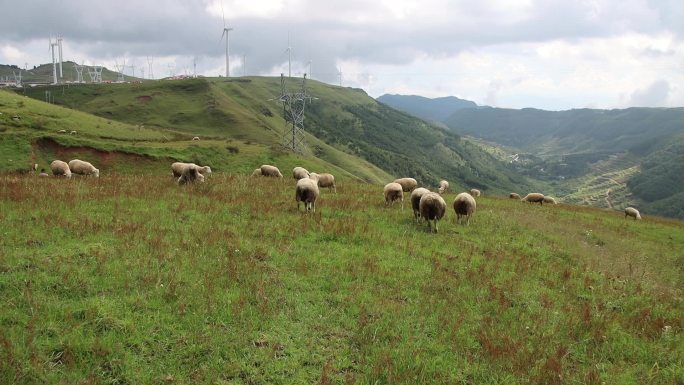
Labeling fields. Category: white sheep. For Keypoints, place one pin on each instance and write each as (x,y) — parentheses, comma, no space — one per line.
(190,175)
(80,167)
(632,212)
(407,184)
(550,200)
(475,192)
(534,198)
(195,138)
(326,180)
(464,206)
(179,167)
(415,201)
(443,186)
(272,171)
(60,168)
(256,172)
(62,131)
(307,191)
(393,192)
(432,208)
(300,173)
(514,196)
(72,132)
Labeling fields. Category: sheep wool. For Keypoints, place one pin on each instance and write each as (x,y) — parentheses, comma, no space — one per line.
(514,196)
(550,200)
(190,175)
(299,173)
(475,192)
(307,192)
(632,212)
(60,168)
(393,192)
(271,171)
(464,207)
(432,208)
(415,201)
(407,184)
(326,180)
(534,198)
(256,172)
(443,186)
(80,167)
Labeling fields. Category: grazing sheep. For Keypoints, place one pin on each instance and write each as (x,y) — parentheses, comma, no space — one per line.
(190,175)
(62,131)
(179,167)
(72,132)
(534,198)
(514,196)
(195,138)
(475,192)
(43,173)
(550,200)
(443,186)
(307,191)
(394,192)
(464,206)
(326,180)
(272,171)
(256,172)
(407,184)
(300,173)
(415,200)
(60,168)
(632,212)
(80,167)
(432,208)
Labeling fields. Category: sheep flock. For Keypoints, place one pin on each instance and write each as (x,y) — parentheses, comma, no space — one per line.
(427,206)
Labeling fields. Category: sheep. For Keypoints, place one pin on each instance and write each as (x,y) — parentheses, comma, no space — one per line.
(432,208)
(195,138)
(60,168)
(443,186)
(272,171)
(43,173)
(300,173)
(326,180)
(415,201)
(632,212)
(550,200)
(534,198)
(514,196)
(394,192)
(407,184)
(179,167)
(464,206)
(307,191)
(475,192)
(80,167)
(72,132)
(190,175)
(256,172)
(62,131)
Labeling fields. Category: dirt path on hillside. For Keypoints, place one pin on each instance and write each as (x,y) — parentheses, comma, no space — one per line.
(609,201)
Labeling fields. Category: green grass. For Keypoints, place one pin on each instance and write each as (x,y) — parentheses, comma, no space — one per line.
(134,280)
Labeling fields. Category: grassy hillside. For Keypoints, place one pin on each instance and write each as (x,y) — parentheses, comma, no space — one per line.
(342,121)
(133,280)
(43,73)
(29,133)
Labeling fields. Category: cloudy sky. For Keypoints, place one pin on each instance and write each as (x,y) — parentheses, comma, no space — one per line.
(550,54)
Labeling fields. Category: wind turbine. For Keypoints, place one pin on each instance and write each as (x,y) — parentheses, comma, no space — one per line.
(289,56)
(226,30)
(51,47)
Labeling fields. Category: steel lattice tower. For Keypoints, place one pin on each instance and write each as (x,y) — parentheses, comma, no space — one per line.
(294,104)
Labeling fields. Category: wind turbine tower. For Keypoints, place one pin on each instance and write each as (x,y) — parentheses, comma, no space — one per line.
(59,43)
(226,30)
(149,68)
(54,64)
